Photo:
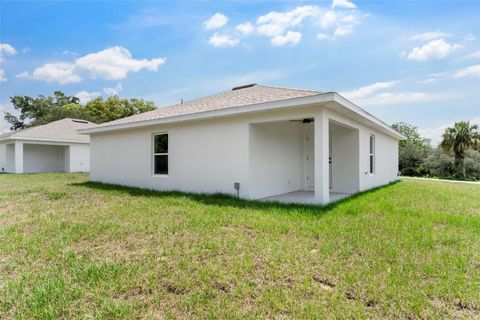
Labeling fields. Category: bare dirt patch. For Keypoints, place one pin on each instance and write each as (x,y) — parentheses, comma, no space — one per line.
(323,282)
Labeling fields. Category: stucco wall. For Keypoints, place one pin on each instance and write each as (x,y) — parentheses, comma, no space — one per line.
(77,158)
(3,157)
(210,155)
(10,157)
(43,158)
(276,158)
(386,159)
(345,156)
(207,156)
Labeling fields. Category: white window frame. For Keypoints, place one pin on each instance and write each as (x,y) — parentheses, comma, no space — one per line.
(371,154)
(160,154)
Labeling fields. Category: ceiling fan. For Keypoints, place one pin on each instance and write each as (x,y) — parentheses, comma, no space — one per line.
(306,120)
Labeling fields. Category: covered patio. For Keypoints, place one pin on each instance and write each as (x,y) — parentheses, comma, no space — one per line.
(310,159)
(303,197)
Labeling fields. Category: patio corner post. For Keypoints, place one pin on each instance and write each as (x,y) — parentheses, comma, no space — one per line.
(321,129)
(18,157)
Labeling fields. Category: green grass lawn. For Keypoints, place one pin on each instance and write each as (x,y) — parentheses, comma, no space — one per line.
(73,249)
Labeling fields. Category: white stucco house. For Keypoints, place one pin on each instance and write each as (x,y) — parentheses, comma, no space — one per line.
(259,142)
(53,147)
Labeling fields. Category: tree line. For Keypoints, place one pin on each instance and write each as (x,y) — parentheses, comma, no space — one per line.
(456,157)
(43,110)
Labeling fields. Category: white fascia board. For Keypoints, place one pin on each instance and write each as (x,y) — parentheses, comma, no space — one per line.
(43,141)
(276,105)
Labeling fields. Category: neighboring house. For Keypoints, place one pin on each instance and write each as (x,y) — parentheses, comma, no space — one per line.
(53,147)
(255,141)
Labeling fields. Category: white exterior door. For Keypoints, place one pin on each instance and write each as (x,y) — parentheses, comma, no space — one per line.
(309,156)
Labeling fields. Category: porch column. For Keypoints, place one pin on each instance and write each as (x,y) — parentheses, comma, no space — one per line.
(321,129)
(18,167)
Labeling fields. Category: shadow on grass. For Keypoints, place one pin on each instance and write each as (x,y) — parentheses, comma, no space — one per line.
(221,199)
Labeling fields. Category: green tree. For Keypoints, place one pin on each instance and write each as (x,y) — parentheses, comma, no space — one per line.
(439,164)
(458,140)
(413,151)
(42,110)
(103,110)
(472,164)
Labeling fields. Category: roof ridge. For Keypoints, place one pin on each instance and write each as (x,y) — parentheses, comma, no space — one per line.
(290,88)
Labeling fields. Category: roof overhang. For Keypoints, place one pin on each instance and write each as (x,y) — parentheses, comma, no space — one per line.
(40,140)
(322,98)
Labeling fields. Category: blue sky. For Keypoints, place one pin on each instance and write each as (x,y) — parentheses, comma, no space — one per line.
(410,61)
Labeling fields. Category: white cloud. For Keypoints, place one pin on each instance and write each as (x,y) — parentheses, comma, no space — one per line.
(61,72)
(366,91)
(216,21)
(113,91)
(428,80)
(474,55)
(350,18)
(223,40)
(372,95)
(468,71)
(68,52)
(342,31)
(284,27)
(245,28)
(397,98)
(24,75)
(343,4)
(291,37)
(426,36)
(342,24)
(328,19)
(2,76)
(115,63)
(435,133)
(6,48)
(323,36)
(434,49)
(86,96)
(275,23)
(470,37)
(111,64)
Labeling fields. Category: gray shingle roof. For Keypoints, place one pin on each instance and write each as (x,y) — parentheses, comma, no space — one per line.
(61,130)
(231,99)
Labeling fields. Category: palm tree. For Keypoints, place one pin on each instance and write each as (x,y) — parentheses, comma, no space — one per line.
(459,139)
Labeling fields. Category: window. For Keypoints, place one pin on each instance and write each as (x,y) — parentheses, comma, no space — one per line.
(160,154)
(372,154)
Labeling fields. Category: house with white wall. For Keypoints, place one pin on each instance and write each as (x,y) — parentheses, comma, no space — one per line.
(53,147)
(257,142)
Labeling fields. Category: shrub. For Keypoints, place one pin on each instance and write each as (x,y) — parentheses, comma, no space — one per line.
(472,164)
(439,164)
